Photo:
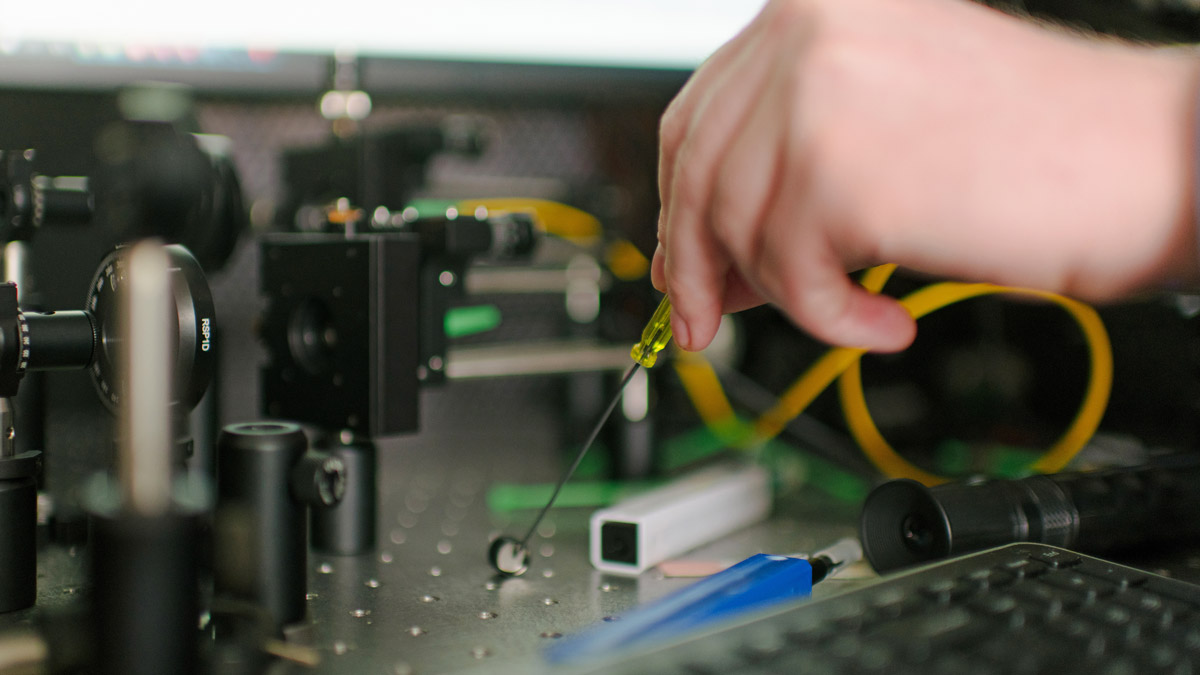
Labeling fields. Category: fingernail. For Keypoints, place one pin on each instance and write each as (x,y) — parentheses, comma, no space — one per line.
(680,329)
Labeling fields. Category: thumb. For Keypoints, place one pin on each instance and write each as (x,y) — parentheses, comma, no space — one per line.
(827,304)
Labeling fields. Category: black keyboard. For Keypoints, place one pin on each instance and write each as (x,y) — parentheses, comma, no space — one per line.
(1023,608)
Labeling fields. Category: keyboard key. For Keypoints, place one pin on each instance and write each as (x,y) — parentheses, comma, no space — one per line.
(845,646)
(805,662)
(714,662)
(892,604)
(1184,637)
(1164,658)
(1121,666)
(946,591)
(1145,603)
(926,636)
(1010,612)
(990,578)
(994,604)
(937,625)
(1056,559)
(1082,637)
(1090,587)
(813,631)
(1027,652)
(874,658)
(1185,593)
(1022,568)
(1155,609)
(761,644)
(1109,615)
(957,664)
(1121,630)
(1053,600)
(1120,577)
(846,615)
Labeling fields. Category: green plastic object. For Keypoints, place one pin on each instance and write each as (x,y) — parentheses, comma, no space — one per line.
(464,321)
(429,207)
(504,497)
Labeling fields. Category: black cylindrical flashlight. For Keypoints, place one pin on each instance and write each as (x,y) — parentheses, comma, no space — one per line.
(904,522)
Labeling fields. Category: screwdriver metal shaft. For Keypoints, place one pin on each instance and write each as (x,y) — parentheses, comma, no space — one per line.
(582,451)
(511,557)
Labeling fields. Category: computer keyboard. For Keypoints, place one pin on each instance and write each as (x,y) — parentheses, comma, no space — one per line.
(1022,608)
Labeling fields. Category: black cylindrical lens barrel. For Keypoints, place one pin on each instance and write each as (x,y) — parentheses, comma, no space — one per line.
(349,527)
(63,201)
(18,543)
(904,522)
(59,340)
(145,586)
(254,468)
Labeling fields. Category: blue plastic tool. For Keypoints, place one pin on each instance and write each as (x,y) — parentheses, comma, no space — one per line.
(756,583)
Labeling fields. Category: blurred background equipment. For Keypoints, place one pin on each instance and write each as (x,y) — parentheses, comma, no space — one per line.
(407,254)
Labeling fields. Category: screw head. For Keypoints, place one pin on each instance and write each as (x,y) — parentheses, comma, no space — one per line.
(509,557)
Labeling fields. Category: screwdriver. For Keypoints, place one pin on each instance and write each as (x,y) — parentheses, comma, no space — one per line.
(510,556)
(655,335)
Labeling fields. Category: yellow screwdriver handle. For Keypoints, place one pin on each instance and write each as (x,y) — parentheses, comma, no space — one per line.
(655,336)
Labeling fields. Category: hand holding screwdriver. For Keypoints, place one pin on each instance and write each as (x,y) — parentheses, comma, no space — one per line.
(1002,155)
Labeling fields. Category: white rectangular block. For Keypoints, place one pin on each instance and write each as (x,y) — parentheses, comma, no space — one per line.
(637,534)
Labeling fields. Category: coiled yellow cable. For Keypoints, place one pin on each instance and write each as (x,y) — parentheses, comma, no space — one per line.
(703,388)
(843,363)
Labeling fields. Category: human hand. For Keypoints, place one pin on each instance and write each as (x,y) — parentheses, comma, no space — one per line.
(940,135)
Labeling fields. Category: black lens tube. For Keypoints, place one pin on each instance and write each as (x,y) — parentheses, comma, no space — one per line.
(145,590)
(18,539)
(905,523)
(255,462)
(60,340)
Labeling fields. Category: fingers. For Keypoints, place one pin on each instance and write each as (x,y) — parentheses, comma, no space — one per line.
(695,272)
(695,264)
(838,311)
(748,177)
(678,119)
(766,213)
(739,294)
(803,275)
(658,275)
(737,226)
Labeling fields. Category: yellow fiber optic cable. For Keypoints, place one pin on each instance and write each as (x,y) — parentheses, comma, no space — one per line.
(703,388)
(552,217)
(843,363)
(621,257)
